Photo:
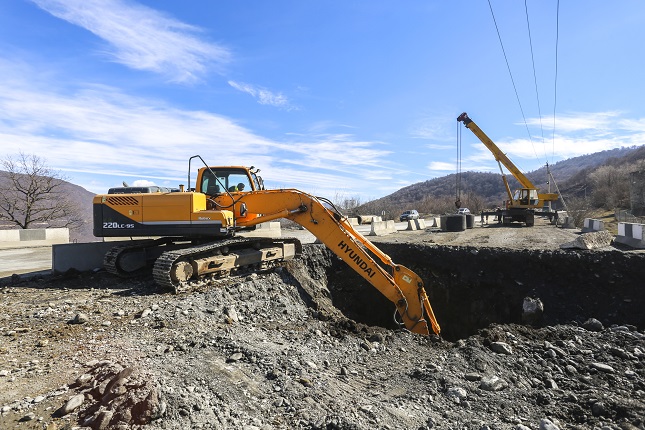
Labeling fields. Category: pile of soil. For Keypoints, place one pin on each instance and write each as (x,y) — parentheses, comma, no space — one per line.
(289,349)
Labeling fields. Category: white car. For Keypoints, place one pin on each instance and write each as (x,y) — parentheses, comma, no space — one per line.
(463,211)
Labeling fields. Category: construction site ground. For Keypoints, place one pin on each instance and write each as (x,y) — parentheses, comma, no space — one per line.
(310,345)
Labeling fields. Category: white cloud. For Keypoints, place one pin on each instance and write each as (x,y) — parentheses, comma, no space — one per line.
(142,183)
(442,166)
(102,134)
(263,96)
(440,147)
(578,121)
(434,127)
(142,38)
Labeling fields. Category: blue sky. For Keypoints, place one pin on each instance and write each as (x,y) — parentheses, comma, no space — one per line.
(340,99)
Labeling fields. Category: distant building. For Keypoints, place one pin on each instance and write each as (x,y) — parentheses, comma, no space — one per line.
(637,193)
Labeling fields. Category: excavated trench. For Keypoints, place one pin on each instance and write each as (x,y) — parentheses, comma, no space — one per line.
(470,288)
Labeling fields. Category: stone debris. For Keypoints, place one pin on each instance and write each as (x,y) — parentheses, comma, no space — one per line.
(532,311)
(591,240)
(273,351)
(593,324)
(501,348)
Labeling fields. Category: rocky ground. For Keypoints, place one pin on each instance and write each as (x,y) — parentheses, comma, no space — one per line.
(275,351)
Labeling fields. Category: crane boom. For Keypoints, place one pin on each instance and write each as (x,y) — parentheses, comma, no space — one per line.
(500,157)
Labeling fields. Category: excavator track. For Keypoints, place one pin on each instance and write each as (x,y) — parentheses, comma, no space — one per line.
(182,270)
(129,260)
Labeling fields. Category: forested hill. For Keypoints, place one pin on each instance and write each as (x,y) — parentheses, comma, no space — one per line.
(571,176)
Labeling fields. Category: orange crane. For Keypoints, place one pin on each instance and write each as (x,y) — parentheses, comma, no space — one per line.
(522,203)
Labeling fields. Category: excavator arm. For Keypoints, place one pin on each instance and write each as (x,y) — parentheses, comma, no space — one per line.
(402,286)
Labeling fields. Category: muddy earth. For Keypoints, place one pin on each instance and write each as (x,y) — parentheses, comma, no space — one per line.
(533,337)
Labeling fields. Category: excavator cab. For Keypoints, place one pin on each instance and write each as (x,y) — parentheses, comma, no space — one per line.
(214,180)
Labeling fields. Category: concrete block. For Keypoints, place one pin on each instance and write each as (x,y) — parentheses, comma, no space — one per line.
(631,234)
(591,240)
(420,223)
(591,224)
(383,228)
(32,234)
(567,222)
(81,256)
(412,225)
(266,229)
(353,221)
(368,219)
(10,235)
(57,235)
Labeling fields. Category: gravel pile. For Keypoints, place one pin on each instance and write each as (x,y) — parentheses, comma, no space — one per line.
(272,351)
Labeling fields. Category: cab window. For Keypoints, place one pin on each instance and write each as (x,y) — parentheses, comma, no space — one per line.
(223,181)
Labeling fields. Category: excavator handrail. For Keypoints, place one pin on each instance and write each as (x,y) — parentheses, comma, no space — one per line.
(402,287)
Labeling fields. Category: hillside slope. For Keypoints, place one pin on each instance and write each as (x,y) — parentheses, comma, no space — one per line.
(572,176)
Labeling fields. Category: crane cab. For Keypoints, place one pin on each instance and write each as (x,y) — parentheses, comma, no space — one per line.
(525,198)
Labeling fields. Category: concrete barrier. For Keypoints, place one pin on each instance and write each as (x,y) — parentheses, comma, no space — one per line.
(368,219)
(365,219)
(420,223)
(81,256)
(412,225)
(567,222)
(352,221)
(382,228)
(34,236)
(593,225)
(266,229)
(631,234)
(9,235)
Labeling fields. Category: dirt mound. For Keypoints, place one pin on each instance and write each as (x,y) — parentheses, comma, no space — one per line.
(287,350)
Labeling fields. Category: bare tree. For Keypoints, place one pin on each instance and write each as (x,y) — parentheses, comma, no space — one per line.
(611,186)
(579,208)
(31,193)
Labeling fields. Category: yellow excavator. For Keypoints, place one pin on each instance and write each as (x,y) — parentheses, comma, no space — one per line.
(196,230)
(521,204)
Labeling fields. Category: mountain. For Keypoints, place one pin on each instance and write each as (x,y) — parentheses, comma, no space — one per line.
(483,189)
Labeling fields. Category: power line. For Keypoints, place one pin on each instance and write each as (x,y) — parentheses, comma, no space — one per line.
(511,75)
(555,85)
(537,94)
